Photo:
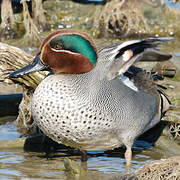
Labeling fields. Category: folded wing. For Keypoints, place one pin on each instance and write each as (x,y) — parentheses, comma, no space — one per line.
(123,55)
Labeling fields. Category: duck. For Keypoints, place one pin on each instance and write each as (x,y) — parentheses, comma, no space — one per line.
(96,99)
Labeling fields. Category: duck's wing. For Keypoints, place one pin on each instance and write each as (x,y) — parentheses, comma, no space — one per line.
(122,55)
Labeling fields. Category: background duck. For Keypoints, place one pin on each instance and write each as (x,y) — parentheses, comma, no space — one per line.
(96,100)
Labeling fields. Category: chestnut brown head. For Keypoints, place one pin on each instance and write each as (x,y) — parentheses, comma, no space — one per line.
(63,51)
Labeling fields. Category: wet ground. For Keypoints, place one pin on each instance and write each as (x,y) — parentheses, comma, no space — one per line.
(15,163)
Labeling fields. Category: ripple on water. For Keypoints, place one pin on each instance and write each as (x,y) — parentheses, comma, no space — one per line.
(8,131)
(107,165)
(15,163)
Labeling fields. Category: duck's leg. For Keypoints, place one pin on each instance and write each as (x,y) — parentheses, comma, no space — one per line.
(83,155)
(47,147)
(128,157)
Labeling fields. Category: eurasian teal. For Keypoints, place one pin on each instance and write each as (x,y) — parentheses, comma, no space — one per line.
(96,100)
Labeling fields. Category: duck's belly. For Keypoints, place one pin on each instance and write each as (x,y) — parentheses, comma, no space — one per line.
(66,112)
(69,118)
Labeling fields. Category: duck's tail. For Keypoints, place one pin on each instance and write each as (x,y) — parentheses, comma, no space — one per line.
(165,103)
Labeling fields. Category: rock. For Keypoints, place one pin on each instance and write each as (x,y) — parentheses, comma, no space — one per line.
(74,171)
(168,145)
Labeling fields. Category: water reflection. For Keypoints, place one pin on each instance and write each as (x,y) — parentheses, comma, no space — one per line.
(107,165)
(172,4)
(8,131)
(15,163)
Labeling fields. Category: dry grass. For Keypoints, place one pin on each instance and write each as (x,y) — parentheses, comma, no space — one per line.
(163,169)
(31,28)
(38,15)
(122,17)
(126,18)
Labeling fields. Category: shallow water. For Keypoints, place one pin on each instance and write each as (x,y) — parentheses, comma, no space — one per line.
(15,163)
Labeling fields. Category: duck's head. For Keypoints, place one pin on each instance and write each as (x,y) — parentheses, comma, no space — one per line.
(63,51)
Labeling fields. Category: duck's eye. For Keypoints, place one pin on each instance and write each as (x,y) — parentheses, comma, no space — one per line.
(57,46)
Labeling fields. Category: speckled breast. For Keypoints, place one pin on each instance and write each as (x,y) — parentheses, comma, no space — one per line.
(63,111)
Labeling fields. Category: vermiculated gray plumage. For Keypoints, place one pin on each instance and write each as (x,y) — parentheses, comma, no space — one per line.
(88,111)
